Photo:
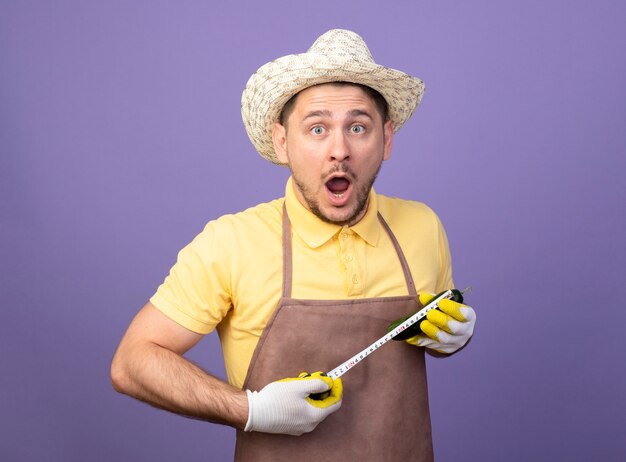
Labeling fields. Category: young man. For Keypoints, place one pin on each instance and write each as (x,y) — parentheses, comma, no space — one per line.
(299,283)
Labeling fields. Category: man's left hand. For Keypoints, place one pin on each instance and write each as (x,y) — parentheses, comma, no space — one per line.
(447,329)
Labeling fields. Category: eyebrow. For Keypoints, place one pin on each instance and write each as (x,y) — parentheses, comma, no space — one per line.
(327,113)
(324,113)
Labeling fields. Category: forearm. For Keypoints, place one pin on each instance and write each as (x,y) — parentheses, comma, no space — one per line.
(168,381)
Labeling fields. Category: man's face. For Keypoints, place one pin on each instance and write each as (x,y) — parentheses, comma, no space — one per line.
(334,142)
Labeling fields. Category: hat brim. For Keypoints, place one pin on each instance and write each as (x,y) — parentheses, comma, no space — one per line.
(269,89)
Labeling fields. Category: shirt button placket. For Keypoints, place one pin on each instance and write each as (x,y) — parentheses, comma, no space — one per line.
(347,249)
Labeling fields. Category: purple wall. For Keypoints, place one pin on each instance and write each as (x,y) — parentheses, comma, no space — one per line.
(120,136)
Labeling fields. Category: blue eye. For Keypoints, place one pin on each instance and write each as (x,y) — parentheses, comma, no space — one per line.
(317,130)
(357,129)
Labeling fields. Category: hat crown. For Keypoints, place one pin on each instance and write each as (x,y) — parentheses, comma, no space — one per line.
(339,55)
(342,44)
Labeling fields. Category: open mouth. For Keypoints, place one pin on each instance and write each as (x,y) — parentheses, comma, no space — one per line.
(338,186)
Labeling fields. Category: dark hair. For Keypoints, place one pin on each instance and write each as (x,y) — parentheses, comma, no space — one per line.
(379,101)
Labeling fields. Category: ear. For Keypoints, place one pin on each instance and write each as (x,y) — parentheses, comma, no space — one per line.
(387,139)
(279,138)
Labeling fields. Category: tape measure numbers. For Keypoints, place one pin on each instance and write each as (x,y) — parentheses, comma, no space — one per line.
(404,327)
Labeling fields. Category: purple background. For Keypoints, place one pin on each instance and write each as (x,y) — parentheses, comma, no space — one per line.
(120,136)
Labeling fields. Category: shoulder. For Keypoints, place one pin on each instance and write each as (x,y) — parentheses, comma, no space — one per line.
(236,236)
(252,225)
(401,212)
(411,221)
(265,215)
(423,241)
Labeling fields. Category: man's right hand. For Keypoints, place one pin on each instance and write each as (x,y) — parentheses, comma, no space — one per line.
(286,407)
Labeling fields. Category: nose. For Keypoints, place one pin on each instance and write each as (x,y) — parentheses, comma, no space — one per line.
(339,148)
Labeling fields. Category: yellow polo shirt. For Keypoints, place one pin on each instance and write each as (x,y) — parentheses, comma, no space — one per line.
(230,276)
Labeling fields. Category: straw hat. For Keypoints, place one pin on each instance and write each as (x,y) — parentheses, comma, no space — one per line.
(338,55)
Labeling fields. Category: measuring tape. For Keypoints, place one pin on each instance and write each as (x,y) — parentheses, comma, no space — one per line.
(360,356)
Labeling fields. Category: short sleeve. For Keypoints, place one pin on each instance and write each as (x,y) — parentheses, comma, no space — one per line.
(197,292)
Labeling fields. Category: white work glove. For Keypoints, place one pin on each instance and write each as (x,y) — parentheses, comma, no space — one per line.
(447,330)
(286,407)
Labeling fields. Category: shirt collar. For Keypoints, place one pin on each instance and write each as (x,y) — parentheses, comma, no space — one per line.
(315,232)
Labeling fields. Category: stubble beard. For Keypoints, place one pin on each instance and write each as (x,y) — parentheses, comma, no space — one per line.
(362,195)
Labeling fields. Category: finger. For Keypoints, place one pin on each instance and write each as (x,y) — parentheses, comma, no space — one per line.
(306,384)
(469,313)
(417,340)
(322,376)
(430,329)
(465,329)
(445,338)
(328,398)
(317,384)
(423,341)
(440,335)
(453,309)
(426,298)
(439,319)
(336,391)
(427,342)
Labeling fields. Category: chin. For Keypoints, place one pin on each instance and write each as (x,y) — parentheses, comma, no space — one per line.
(341,218)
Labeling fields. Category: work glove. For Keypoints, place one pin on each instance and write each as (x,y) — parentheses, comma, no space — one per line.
(446,329)
(286,406)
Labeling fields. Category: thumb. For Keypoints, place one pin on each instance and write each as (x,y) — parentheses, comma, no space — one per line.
(310,383)
(426,298)
(316,384)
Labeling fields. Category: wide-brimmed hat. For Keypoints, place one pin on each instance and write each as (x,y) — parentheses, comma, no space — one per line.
(337,56)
